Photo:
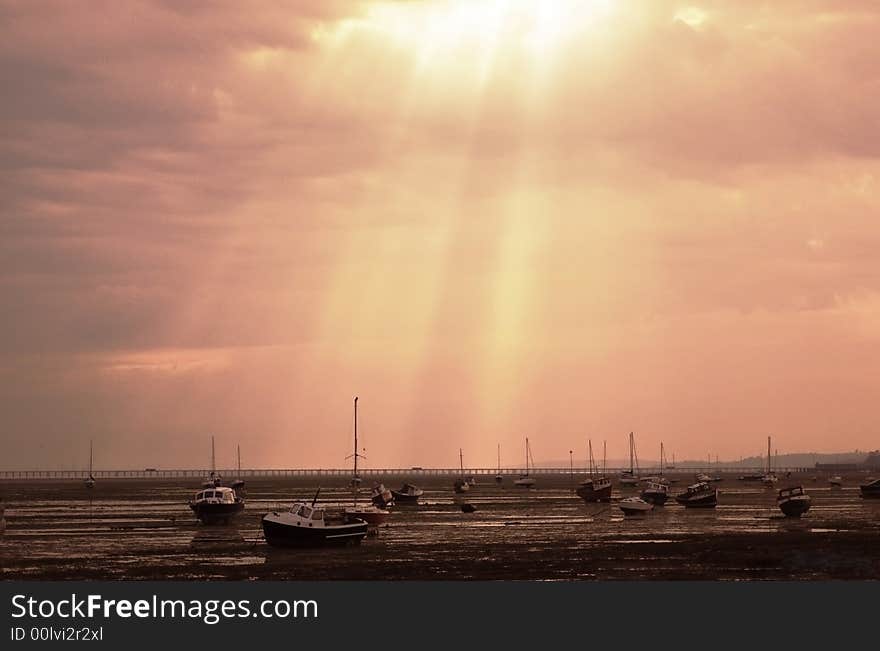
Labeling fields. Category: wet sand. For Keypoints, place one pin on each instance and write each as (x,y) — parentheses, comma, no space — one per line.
(143,529)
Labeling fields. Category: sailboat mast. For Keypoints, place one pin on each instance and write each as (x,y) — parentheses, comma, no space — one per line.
(527,456)
(604,457)
(768,455)
(461,462)
(213,458)
(499,458)
(90,457)
(355,437)
(590,444)
(238,452)
(630,453)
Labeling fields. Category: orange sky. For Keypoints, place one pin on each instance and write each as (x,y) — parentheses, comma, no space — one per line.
(489,219)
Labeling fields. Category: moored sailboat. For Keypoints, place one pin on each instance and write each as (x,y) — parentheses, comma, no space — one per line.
(769,479)
(595,488)
(213,479)
(90,480)
(525,480)
(499,478)
(370,513)
(630,477)
(461,484)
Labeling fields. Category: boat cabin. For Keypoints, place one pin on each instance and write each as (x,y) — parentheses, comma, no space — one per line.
(786,493)
(699,487)
(217,495)
(309,516)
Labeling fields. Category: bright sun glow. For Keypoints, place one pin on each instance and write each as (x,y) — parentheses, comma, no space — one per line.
(446,24)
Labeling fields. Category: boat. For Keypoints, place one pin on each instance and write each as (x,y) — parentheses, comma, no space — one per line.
(769,478)
(381,496)
(525,480)
(634,506)
(699,495)
(499,478)
(870,489)
(751,477)
(216,505)
(793,502)
(238,484)
(836,481)
(671,466)
(90,480)
(655,493)
(461,484)
(306,525)
(407,494)
(373,515)
(213,479)
(596,488)
(630,477)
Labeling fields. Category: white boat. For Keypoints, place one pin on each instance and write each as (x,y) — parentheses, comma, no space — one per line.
(307,526)
(836,481)
(461,484)
(525,480)
(90,480)
(370,513)
(630,477)
(634,506)
(216,505)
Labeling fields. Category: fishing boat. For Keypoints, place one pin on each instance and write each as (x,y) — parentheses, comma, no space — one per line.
(499,478)
(596,488)
(381,496)
(373,515)
(306,525)
(213,479)
(634,506)
(870,489)
(407,494)
(836,481)
(699,495)
(524,480)
(216,505)
(461,484)
(793,502)
(630,477)
(655,493)
(90,480)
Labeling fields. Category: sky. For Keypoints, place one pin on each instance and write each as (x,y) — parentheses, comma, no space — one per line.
(488,219)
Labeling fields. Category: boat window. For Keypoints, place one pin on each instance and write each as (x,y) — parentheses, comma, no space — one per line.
(200,496)
(305,511)
(318,515)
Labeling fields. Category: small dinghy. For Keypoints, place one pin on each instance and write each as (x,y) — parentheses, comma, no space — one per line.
(793,502)
(310,526)
(836,481)
(700,495)
(216,505)
(634,506)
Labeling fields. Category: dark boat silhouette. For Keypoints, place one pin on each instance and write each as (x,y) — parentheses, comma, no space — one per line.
(793,502)
(216,505)
(699,495)
(310,526)
(407,494)
(596,488)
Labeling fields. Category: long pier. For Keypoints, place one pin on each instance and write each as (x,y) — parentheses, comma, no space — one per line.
(187,473)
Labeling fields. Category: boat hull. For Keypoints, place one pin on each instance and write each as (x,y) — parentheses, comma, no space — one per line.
(635,506)
(280,534)
(208,513)
(373,518)
(795,507)
(405,498)
(707,501)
